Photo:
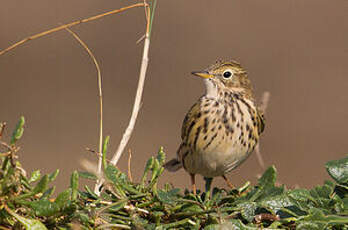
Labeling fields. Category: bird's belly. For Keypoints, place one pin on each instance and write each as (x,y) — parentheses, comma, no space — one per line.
(216,162)
(220,142)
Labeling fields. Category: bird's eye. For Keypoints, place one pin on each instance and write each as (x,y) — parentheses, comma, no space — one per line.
(227,74)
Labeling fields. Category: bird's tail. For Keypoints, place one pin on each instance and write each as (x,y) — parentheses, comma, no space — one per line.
(173,165)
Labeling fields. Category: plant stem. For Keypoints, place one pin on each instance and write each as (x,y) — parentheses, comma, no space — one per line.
(136,107)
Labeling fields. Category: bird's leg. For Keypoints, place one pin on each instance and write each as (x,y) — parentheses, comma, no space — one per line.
(228,182)
(208,181)
(193,183)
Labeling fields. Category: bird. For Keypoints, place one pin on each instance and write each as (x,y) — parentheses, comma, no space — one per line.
(222,128)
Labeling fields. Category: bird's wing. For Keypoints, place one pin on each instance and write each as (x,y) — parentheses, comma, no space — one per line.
(260,121)
(188,123)
(190,120)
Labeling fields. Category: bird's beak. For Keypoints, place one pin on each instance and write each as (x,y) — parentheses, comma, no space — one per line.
(203,74)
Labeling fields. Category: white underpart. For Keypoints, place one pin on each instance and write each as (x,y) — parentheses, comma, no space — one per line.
(211,88)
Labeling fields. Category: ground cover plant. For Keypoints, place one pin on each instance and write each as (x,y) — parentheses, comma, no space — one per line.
(26,201)
(118,202)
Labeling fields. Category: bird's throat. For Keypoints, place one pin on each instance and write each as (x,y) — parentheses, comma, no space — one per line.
(211,89)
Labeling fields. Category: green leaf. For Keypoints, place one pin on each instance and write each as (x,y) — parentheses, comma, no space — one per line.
(74,185)
(53,175)
(316,218)
(301,195)
(248,210)
(44,207)
(48,193)
(105,148)
(148,167)
(301,198)
(309,225)
(34,176)
(91,193)
(111,173)
(18,132)
(29,224)
(84,218)
(161,156)
(41,186)
(342,207)
(63,198)
(87,175)
(276,203)
(244,187)
(187,222)
(338,170)
(155,168)
(168,197)
(268,178)
(153,9)
(234,224)
(322,191)
(114,207)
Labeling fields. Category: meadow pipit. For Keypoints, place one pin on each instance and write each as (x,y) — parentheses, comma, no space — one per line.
(222,128)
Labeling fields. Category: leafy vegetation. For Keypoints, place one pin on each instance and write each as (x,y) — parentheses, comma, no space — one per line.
(26,202)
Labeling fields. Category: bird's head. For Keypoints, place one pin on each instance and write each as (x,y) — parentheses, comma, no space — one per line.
(225,76)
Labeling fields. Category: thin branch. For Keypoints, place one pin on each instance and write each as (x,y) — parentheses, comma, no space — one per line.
(69,25)
(263,107)
(258,219)
(132,208)
(113,226)
(10,148)
(137,102)
(259,156)
(90,53)
(127,207)
(264,101)
(2,128)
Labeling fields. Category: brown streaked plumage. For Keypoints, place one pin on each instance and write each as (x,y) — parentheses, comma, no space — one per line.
(222,128)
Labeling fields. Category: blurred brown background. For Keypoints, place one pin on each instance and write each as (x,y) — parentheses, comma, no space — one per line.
(295,49)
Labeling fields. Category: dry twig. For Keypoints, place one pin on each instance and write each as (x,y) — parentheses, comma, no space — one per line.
(90,53)
(69,25)
(137,102)
(258,219)
(263,107)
